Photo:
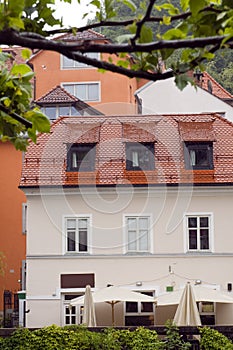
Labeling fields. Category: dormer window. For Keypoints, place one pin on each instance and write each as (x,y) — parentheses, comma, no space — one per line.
(54,111)
(81,157)
(198,155)
(140,156)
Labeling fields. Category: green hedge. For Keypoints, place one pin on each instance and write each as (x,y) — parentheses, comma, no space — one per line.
(213,340)
(80,338)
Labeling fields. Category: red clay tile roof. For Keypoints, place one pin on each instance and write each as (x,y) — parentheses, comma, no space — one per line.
(57,95)
(202,131)
(85,35)
(217,89)
(45,164)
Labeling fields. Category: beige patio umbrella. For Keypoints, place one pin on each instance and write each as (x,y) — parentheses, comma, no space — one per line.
(113,295)
(201,293)
(187,313)
(89,318)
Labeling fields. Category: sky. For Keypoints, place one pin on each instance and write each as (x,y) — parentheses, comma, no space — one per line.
(72,13)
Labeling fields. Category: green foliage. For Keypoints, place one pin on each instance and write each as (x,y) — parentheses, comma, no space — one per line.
(213,340)
(15,100)
(173,340)
(79,337)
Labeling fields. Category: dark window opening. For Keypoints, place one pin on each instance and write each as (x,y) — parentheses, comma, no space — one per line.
(81,157)
(140,156)
(198,155)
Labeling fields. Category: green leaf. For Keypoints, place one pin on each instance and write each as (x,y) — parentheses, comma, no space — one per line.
(146,34)
(181,81)
(20,69)
(173,34)
(184,4)
(196,6)
(26,54)
(130,4)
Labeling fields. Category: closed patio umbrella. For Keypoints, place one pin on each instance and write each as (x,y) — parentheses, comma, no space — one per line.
(187,313)
(89,318)
(113,295)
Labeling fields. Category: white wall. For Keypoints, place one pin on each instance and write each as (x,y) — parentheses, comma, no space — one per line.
(164,97)
(46,260)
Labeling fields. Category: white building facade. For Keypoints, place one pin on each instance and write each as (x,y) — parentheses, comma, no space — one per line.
(139,217)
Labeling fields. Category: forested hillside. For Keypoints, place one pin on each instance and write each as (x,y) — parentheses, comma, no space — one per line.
(221,67)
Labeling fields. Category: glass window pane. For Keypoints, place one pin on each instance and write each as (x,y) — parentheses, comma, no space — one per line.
(192,239)
(132,223)
(82,223)
(69,88)
(201,157)
(71,223)
(146,307)
(81,92)
(143,223)
(73,320)
(143,240)
(204,222)
(51,112)
(204,239)
(131,306)
(64,110)
(93,92)
(82,240)
(132,243)
(74,111)
(71,241)
(192,222)
(67,62)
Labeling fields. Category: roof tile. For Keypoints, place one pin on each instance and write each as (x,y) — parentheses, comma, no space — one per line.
(45,163)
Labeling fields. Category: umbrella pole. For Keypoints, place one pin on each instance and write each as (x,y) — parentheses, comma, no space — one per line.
(113,316)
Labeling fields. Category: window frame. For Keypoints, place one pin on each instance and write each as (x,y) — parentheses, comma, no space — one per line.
(24,218)
(76,148)
(138,147)
(197,146)
(78,310)
(149,235)
(57,108)
(66,86)
(139,311)
(79,65)
(210,232)
(207,314)
(77,242)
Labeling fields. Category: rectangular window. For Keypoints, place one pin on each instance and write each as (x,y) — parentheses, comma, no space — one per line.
(140,156)
(137,234)
(77,232)
(84,91)
(139,313)
(68,63)
(198,232)
(72,314)
(198,155)
(207,313)
(24,218)
(81,157)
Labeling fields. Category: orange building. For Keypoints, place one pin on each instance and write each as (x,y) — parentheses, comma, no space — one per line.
(12,208)
(109,92)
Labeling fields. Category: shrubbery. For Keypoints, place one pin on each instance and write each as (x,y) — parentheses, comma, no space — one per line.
(213,340)
(80,338)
